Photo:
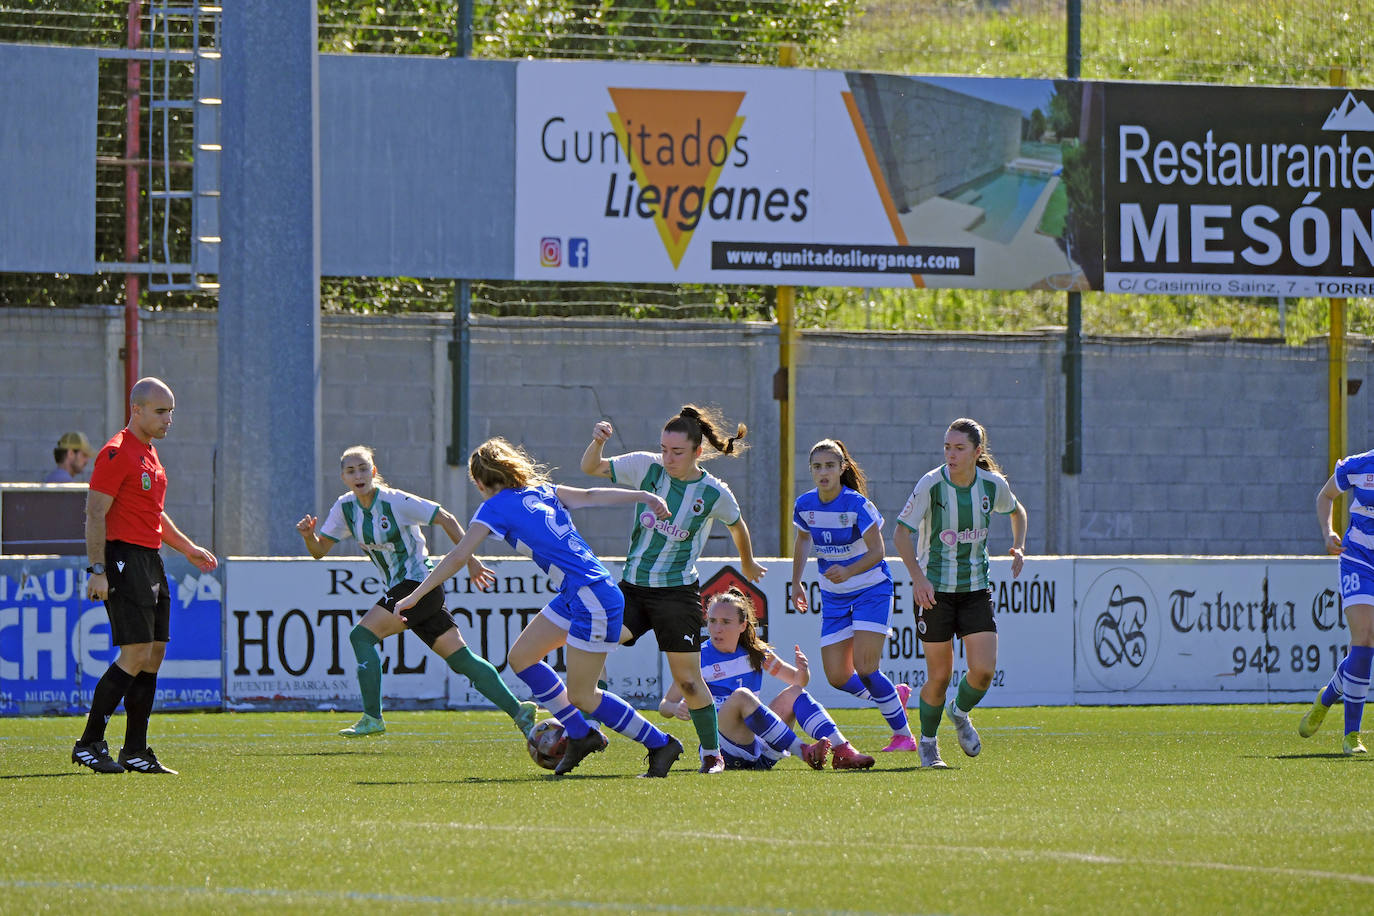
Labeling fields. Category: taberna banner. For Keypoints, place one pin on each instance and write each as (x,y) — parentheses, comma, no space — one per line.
(55,644)
(1206,630)
(1238,191)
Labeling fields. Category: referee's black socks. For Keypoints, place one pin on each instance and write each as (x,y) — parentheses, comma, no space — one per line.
(109,690)
(138,706)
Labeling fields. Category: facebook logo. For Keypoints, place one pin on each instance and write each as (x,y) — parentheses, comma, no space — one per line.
(579,252)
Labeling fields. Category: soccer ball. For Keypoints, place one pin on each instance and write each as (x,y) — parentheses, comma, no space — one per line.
(547,743)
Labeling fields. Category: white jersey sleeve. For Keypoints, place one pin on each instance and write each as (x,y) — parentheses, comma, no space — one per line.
(726,507)
(1005,501)
(334,526)
(917,504)
(411,509)
(629,470)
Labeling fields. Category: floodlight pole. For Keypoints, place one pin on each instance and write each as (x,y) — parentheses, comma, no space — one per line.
(460,344)
(1073,332)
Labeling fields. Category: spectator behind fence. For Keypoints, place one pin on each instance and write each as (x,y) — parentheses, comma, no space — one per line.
(72,453)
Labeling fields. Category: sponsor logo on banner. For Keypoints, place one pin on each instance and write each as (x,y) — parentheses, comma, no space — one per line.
(55,644)
(1120,631)
(727,578)
(1230,190)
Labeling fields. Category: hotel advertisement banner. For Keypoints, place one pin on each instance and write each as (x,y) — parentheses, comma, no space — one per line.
(1238,191)
(671,173)
(287,621)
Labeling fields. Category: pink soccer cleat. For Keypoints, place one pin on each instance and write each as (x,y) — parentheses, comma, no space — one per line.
(845,757)
(900,743)
(814,754)
(904,694)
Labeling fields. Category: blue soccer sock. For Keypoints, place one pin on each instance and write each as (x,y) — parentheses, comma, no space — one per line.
(884,694)
(774,732)
(856,687)
(814,720)
(1332,691)
(615,713)
(550,693)
(1357,665)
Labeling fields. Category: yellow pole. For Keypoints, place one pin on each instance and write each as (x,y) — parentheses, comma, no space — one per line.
(1336,406)
(787,396)
(787,391)
(1336,387)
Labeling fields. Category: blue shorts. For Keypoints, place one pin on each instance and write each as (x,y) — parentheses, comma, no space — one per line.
(592,616)
(1357,582)
(738,757)
(868,609)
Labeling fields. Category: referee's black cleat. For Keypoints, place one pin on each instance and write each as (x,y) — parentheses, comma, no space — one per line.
(144,761)
(95,755)
(661,759)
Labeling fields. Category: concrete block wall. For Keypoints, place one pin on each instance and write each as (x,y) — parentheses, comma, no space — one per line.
(1190,446)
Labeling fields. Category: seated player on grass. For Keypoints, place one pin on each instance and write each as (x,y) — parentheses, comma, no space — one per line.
(755,736)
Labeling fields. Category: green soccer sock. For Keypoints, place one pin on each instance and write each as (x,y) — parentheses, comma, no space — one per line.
(930,719)
(706,723)
(484,677)
(365,649)
(967,697)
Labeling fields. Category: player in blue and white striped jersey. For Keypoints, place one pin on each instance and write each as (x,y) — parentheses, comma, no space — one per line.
(839,523)
(950,509)
(527,510)
(1351,680)
(386,523)
(755,736)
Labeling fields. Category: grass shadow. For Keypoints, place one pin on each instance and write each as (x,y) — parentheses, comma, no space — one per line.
(42,775)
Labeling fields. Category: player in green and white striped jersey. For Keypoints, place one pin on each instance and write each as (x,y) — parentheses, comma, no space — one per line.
(950,509)
(659,581)
(386,524)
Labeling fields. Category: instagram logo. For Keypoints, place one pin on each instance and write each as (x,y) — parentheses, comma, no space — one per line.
(550,251)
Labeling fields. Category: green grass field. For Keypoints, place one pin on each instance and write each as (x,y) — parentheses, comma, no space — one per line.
(1080,810)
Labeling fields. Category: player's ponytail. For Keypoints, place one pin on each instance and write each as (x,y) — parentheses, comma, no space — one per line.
(979,437)
(698,423)
(497,464)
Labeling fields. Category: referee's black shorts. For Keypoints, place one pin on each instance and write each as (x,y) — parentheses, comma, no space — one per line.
(139,604)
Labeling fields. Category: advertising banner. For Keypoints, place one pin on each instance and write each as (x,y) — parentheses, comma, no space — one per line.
(1230,190)
(1206,631)
(55,644)
(286,637)
(1034,615)
(673,173)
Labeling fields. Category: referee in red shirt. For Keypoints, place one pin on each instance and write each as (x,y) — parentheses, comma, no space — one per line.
(125,526)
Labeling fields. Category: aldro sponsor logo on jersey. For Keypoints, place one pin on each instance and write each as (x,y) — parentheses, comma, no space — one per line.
(671,158)
(949,537)
(664,527)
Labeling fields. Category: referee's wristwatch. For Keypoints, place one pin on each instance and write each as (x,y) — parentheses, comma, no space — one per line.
(96,569)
